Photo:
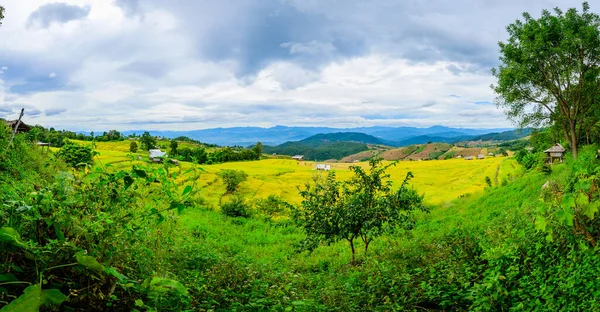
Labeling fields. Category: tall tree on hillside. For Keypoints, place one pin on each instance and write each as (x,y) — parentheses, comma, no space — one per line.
(1,14)
(550,72)
(148,141)
(258,150)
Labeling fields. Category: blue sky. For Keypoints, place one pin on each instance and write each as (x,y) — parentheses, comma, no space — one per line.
(187,64)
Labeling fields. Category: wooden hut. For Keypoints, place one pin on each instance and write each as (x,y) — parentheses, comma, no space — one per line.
(156,155)
(13,123)
(555,152)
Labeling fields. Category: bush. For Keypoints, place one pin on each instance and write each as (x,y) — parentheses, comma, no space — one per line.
(232,178)
(133,147)
(237,207)
(272,206)
(75,154)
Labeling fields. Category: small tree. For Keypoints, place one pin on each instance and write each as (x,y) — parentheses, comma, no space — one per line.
(361,208)
(173,145)
(133,147)
(148,141)
(232,178)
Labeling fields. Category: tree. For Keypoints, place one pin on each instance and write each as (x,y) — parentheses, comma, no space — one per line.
(362,208)
(550,72)
(232,178)
(1,14)
(133,147)
(258,149)
(148,141)
(173,145)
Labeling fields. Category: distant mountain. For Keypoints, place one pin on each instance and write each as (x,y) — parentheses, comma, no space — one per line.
(504,136)
(424,139)
(279,134)
(356,137)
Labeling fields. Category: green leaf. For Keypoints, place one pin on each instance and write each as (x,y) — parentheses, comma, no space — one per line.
(165,285)
(34,298)
(8,277)
(139,303)
(89,262)
(113,272)
(591,209)
(568,202)
(565,217)
(179,206)
(540,223)
(127,180)
(11,236)
(140,173)
(186,190)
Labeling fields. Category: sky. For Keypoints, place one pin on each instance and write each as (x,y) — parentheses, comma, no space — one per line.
(196,64)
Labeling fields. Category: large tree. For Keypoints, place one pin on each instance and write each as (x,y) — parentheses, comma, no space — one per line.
(549,72)
(1,14)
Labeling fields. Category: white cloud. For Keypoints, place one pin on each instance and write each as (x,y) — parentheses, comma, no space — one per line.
(154,64)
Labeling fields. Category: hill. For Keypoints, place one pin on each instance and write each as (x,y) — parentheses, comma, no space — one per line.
(503,136)
(356,137)
(317,150)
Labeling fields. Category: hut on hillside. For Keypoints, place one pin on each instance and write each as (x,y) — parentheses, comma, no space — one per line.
(156,155)
(555,152)
(13,123)
(468,158)
(298,157)
(480,156)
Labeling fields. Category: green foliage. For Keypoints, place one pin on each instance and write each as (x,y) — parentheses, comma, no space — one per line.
(273,206)
(361,208)
(237,207)
(75,155)
(1,14)
(34,298)
(574,202)
(148,142)
(173,146)
(551,64)
(232,178)
(133,147)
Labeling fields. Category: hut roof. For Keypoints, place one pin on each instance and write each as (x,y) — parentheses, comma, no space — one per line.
(557,148)
(156,153)
(12,123)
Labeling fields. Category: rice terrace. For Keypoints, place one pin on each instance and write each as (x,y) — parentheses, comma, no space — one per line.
(299,156)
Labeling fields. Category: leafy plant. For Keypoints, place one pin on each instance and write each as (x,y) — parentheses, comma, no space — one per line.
(237,207)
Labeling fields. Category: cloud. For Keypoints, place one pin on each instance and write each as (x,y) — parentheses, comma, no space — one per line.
(56,13)
(54,111)
(191,64)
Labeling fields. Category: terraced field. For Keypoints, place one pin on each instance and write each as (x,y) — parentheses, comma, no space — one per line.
(440,180)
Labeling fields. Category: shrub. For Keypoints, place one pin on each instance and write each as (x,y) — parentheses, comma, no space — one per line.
(272,206)
(133,147)
(232,178)
(237,207)
(75,154)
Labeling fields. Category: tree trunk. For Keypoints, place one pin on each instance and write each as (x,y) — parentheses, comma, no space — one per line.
(352,247)
(573,139)
(366,246)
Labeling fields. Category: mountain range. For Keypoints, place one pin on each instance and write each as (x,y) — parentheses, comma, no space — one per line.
(276,135)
